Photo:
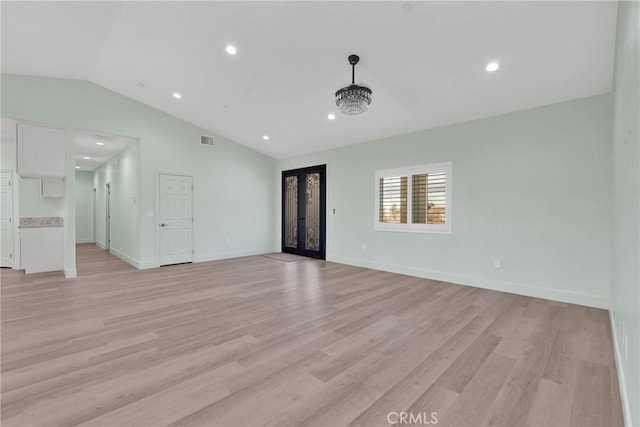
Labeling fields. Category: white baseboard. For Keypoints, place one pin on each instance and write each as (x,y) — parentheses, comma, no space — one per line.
(101,245)
(514,288)
(81,241)
(237,254)
(126,258)
(622,384)
(70,273)
(145,265)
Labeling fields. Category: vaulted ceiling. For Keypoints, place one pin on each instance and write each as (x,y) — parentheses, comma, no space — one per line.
(425,61)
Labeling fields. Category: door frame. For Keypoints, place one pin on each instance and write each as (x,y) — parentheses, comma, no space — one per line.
(14,227)
(94,211)
(322,169)
(107,206)
(157,214)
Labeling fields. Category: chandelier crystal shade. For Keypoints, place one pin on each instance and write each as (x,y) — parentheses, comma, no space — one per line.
(353,99)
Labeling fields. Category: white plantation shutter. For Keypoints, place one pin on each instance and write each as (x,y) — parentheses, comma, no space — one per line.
(393,200)
(416,198)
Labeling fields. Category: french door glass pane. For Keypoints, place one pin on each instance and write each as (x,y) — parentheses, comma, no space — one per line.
(291,212)
(313,212)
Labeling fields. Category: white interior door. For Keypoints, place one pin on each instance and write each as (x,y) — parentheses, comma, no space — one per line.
(6,206)
(176,219)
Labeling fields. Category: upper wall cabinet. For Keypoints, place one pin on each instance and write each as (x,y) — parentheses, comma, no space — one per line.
(41,151)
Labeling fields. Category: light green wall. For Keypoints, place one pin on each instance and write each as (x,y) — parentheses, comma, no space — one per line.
(530,188)
(625,278)
(233,194)
(84,207)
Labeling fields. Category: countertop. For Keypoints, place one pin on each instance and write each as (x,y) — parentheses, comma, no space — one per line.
(40,222)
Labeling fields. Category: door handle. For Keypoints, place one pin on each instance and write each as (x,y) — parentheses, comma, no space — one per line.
(162,225)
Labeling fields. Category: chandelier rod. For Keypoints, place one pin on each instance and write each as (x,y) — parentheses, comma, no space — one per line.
(353,74)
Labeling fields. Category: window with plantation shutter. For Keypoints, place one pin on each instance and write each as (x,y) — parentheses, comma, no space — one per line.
(393,200)
(416,198)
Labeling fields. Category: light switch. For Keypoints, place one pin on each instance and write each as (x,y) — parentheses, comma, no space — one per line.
(150,213)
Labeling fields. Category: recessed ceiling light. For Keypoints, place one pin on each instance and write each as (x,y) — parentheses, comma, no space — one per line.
(331,116)
(77,167)
(265,137)
(99,143)
(492,66)
(87,158)
(176,95)
(231,50)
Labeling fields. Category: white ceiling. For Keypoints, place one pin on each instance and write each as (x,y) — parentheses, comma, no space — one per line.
(86,146)
(426,67)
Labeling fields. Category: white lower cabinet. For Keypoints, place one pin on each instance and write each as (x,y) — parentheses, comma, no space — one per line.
(41,249)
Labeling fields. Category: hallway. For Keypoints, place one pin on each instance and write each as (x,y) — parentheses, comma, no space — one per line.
(92,260)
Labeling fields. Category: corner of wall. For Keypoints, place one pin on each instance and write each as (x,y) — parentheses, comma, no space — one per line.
(622,385)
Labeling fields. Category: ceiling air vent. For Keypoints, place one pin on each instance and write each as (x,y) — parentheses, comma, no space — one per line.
(206,140)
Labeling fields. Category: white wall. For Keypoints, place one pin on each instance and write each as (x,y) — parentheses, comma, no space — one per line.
(121,173)
(532,189)
(84,207)
(234,189)
(625,277)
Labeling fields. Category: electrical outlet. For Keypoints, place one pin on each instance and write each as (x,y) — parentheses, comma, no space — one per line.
(334,212)
(497,263)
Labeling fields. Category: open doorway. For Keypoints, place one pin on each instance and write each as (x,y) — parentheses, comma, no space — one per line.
(107,170)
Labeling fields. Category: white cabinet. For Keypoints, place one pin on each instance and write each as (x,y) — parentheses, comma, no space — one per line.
(52,187)
(41,249)
(41,151)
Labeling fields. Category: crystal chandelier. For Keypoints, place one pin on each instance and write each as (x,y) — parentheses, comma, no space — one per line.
(353,99)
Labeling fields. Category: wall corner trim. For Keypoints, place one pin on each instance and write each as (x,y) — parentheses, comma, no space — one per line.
(622,384)
(70,273)
(126,258)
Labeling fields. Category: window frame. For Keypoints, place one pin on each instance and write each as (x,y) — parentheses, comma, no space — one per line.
(409,171)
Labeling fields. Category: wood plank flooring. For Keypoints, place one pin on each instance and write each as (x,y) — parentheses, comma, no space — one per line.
(256,341)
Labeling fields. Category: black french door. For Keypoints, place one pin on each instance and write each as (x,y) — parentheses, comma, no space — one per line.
(304,211)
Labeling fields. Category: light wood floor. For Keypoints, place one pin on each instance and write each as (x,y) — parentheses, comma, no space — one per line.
(255,341)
